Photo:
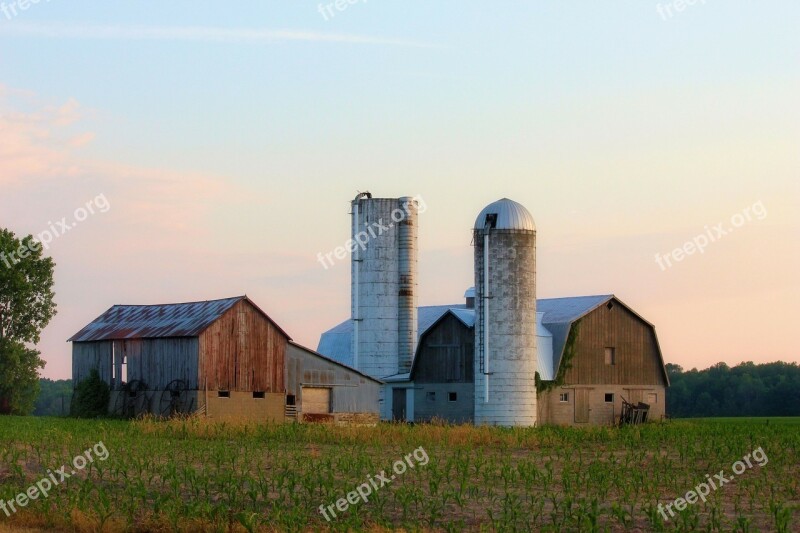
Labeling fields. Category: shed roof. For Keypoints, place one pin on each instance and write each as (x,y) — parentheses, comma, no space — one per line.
(159,321)
(334,361)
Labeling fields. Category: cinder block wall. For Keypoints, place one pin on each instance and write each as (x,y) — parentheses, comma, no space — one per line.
(242,405)
(462,411)
(553,411)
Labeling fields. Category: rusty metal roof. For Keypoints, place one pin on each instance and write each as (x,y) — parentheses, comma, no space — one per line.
(155,321)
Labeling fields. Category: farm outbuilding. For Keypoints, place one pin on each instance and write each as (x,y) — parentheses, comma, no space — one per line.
(503,357)
(222,358)
(593,353)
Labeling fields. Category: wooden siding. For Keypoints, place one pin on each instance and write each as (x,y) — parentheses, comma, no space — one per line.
(636,350)
(157,362)
(242,351)
(446,353)
(89,355)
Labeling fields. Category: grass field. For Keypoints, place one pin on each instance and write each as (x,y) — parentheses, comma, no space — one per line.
(197,476)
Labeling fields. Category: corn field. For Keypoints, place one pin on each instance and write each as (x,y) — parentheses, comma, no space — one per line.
(195,475)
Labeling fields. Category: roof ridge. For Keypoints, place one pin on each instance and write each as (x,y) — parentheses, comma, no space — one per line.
(182,303)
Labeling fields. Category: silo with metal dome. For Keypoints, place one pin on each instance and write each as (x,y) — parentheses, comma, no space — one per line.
(505,315)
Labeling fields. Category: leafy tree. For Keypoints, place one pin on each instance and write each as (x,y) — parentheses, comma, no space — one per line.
(54,397)
(26,307)
(91,397)
(19,377)
(771,389)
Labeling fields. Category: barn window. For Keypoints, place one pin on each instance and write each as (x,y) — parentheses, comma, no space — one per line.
(290,399)
(611,356)
(224,394)
(609,397)
(452,396)
(431,396)
(563,397)
(259,394)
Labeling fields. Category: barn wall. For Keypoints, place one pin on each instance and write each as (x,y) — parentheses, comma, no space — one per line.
(427,407)
(445,363)
(351,392)
(157,362)
(89,355)
(243,406)
(242,351)
(637,356)
(553,411)
(446,354)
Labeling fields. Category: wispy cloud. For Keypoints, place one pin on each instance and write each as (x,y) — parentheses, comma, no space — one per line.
(192,33)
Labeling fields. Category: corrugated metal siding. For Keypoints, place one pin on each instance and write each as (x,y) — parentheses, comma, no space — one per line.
(242,351)
(152,321)
(637,357)
(351,392)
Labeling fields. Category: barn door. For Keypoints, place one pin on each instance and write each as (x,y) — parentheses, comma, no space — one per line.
(316,400)
(636,396)
(581,406)
(399,405)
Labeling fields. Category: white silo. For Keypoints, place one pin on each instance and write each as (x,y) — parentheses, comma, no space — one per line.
(505,315)
(384,284)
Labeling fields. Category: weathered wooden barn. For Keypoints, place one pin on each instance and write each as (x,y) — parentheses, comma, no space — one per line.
(224,358)
(593,353)
(603,353)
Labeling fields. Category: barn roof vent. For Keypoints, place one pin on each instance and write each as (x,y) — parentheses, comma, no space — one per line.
(469,295)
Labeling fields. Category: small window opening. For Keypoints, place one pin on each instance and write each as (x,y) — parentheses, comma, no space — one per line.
(563,397)
(611,356)
(609,397)
(610,305)
(258,394)
(452,396)
(224,394)
(290,399)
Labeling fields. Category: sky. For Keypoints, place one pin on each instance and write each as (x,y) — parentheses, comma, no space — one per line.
(201,150)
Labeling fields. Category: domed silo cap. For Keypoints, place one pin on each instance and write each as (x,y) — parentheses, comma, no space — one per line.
(505,214)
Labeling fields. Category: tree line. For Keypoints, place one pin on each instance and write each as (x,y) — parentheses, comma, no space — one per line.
(748,389)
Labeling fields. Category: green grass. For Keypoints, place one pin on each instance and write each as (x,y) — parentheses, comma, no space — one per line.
(198,476)
(754,420)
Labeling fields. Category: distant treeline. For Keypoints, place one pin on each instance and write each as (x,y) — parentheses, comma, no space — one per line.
(771,389)
(54,397)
